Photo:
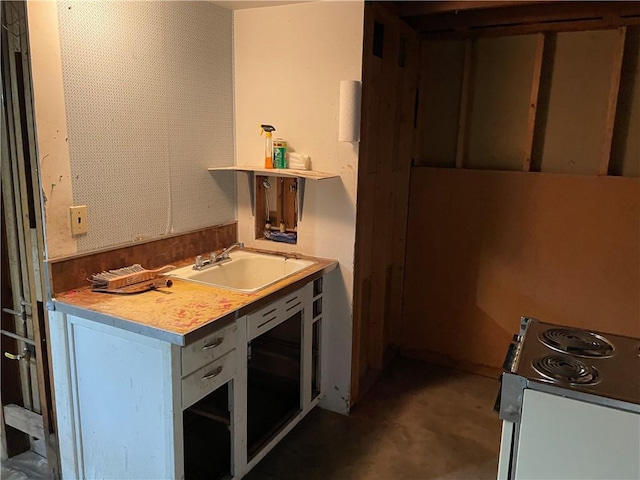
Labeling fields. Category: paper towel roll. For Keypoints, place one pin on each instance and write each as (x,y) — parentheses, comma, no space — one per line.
(349,121)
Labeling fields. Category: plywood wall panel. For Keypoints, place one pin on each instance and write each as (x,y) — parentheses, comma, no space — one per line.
(441,71)
(485,247)
(579,94)
(625,151)
(499,114)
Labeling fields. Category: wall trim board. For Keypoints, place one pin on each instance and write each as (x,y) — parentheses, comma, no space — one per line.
(485,247)
(72,272)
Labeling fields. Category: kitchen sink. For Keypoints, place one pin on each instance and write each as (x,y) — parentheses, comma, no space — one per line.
(245,272)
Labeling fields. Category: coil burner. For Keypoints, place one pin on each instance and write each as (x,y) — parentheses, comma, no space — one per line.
(566,369)
(577,342)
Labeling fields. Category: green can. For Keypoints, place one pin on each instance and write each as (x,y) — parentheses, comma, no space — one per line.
(279,153)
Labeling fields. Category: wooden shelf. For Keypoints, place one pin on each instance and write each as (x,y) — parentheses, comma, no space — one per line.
(301,175)
(277,172)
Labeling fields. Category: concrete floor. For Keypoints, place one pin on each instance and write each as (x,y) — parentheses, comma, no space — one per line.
(26,466)
(419,422)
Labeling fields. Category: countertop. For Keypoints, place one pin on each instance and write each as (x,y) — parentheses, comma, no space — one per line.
(186,311)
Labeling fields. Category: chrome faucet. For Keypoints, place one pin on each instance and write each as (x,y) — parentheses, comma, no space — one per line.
(224,254)
(215,259)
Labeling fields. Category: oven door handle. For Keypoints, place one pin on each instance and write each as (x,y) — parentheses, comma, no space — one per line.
(510,357)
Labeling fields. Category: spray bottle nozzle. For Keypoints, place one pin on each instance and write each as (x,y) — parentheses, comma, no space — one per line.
(267,128)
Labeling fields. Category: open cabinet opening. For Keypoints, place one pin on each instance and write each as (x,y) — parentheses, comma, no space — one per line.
(277,209)
(207,436)
(274,379)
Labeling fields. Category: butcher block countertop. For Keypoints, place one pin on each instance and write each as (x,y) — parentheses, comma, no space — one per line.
(186,311)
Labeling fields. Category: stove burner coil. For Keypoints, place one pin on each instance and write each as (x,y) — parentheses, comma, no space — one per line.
(577,342)
(570,370)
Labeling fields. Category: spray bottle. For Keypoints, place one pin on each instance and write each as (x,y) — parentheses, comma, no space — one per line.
(268,144)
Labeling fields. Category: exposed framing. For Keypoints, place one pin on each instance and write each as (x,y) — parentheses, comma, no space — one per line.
(533,100)
(466,101)
(614,88)
(25,233)
(542,61)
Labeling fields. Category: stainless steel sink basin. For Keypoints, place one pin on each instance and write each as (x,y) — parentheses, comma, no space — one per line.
(245,272)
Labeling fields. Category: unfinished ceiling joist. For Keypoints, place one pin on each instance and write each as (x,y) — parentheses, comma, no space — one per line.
(472,19)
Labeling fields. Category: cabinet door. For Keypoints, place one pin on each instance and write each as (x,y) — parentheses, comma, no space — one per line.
(115,402)
(208,435)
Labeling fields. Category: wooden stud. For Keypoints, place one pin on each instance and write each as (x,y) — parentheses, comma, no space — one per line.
(616,73)
(465,105)
(289,203)
(261,206)
(533,101)
(279,201)
(24,420)
(33,238)
(13,207)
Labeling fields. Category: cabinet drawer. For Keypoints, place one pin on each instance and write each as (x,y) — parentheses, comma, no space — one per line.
(275,313)
(208,349)
(206,379)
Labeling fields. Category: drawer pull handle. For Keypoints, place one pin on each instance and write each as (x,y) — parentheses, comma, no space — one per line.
(215,373)
(216,343)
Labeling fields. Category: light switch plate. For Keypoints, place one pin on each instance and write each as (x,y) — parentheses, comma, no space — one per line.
(78,219)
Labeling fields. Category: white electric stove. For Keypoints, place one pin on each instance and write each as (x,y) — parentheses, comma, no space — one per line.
(570,405)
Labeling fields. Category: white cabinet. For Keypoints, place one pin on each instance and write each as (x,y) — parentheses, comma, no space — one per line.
(131,406)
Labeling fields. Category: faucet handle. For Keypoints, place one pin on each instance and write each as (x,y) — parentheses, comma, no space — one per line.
(199,261)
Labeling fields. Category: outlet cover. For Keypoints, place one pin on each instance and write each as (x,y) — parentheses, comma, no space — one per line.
(78,219)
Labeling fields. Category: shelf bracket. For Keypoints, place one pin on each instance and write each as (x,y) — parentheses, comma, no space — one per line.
(300,194)
(251,177)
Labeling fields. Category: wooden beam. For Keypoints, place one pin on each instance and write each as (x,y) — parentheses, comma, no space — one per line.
(614,87)
(549,13)
(533,101)
(414,9)
(465,104)
(24,420)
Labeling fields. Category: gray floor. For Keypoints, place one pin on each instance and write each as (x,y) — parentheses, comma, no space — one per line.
(419,422)
(26,466)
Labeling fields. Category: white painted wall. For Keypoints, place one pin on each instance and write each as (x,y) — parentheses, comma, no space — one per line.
(51,124)
(289,61)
